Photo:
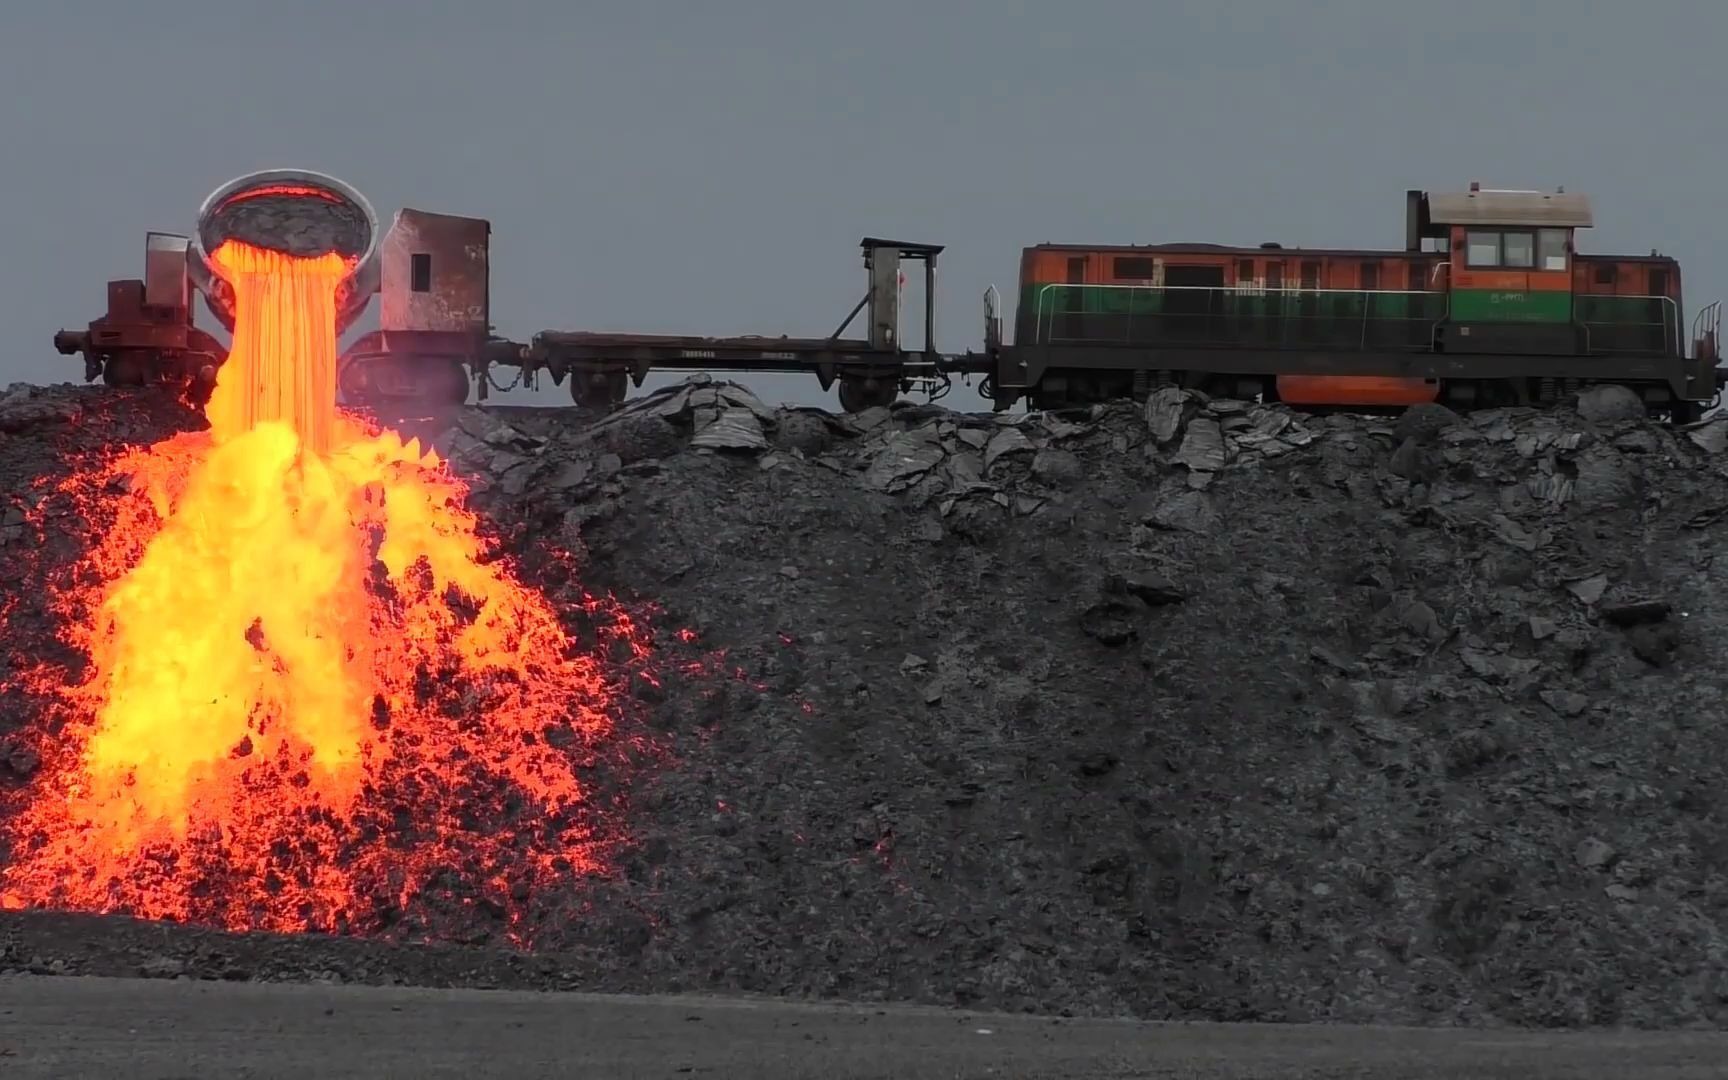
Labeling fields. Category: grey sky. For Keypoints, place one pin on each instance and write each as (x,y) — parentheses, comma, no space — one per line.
(709,168)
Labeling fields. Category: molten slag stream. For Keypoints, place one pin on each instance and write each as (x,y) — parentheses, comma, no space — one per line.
(311,698)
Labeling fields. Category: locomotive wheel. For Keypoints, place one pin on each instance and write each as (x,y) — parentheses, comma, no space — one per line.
(858,394)
(603,390)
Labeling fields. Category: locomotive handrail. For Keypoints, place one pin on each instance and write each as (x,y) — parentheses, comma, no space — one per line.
(1045,311)
(1707,326)
(1043,332)
(1671,330)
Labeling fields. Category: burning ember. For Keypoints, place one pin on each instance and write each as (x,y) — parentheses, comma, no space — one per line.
(313,701)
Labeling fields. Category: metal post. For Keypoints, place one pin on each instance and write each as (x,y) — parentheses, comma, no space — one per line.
(884,299)
(930,304)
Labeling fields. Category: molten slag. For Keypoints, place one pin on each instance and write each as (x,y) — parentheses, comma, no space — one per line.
(312,699)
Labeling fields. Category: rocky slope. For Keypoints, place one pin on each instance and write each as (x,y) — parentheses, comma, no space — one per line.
(1192,709)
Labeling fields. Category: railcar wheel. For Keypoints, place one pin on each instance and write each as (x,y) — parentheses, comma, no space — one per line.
(858,394)
(123,369)
(452,388)
(354,382)
(604,390)
(201,374)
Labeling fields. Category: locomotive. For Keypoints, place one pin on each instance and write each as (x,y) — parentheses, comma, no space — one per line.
(1488,303)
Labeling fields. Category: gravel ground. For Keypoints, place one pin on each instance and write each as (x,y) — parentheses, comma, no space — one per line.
(1192,710)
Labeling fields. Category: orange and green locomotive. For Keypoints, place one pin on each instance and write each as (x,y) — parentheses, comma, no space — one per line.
(1489,303)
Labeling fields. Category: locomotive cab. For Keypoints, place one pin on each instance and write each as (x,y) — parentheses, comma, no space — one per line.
(1509,275)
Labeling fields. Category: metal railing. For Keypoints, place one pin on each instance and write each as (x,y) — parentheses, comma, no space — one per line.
(1654,329)
(1242,315)
(1707,329)
(1247,315)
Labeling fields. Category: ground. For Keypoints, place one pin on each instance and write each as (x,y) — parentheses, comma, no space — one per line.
(70,1028)
(1192,710)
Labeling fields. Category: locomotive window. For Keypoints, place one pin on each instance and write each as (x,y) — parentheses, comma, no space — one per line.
(1605,273)
(1133,269)
(420,272)
(1482,248)
(1518,250)
(1551,249)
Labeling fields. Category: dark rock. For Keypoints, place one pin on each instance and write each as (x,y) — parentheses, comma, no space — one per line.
(1655,644)
(1634,612)
(1610,403)
(1565,702)
(1111,622)
(1058,468)
(1423,423)
(1150,589)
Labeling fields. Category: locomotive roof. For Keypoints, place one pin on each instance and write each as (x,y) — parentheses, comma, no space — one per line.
(1557,209)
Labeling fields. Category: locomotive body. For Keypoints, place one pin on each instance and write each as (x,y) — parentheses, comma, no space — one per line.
(1489,303)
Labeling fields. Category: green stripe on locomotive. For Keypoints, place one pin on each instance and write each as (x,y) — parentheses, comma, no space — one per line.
(1511,306)
(1044,306)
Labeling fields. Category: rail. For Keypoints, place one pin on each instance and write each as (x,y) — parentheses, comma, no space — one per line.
(1202,315)
(1629,324)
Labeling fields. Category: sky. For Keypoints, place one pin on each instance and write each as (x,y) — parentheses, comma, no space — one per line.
(709,168)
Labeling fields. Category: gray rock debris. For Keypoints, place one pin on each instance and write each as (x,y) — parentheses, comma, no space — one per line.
(1039,725)
(733,428)
(1610,404)
(24,407)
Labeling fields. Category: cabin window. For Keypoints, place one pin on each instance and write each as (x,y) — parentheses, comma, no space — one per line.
(1482,248)
(1518,250)
(1551,249)
(1606,273)
(1370,274)
(1133,269)
(420,272)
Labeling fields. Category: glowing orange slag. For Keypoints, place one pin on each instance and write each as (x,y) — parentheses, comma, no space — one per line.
(282,366)
(311,696)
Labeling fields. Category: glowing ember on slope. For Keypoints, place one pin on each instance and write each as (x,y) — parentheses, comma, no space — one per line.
(311,700)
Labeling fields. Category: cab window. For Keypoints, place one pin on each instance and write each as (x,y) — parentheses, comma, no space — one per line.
(1551,249)
(1482,248)
(1516,249)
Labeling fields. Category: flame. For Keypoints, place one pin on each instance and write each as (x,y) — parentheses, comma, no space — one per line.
(305,669)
